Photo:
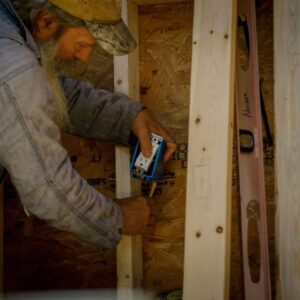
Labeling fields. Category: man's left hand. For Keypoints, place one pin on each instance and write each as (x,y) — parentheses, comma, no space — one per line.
(143,124)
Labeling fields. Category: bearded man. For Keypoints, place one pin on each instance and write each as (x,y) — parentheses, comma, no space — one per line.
(37,37)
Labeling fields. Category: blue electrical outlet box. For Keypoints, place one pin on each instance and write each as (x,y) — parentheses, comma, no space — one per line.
(151,168)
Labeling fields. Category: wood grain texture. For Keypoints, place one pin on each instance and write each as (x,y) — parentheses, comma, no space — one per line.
(165,34)
(208,206)
(129,251)
(287,122)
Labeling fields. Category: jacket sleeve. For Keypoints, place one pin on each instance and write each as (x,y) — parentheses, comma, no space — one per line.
(98,113)
(40,168)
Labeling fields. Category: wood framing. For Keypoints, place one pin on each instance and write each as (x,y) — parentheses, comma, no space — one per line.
(126,79)
(129,252)
(210,151)
(208,205)
(287,122)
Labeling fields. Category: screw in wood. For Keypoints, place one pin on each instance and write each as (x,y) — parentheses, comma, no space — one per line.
(198,234)
(119,81)
(197,121)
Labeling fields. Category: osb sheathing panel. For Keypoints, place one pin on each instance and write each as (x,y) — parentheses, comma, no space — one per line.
(165,63)
(165,38)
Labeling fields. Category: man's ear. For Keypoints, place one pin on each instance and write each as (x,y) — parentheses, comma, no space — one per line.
(45,27)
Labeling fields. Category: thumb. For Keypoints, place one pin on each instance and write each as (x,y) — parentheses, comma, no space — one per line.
(145,143)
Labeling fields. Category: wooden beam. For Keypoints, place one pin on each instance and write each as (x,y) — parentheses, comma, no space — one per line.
(287,123)
(208,204)
(129,251)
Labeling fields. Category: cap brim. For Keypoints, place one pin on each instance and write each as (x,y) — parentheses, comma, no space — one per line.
(115,38)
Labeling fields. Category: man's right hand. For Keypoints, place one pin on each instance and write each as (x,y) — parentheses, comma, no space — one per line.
(136,212)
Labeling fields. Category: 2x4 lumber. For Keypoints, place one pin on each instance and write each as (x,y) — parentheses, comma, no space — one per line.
(287,123)
(208,204)
(129,251)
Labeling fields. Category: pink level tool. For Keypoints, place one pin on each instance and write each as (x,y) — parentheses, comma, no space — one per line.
(251,167)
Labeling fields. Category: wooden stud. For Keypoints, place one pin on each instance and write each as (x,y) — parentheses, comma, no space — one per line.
(209,179)
(287,123)
(208,204)
(129,251)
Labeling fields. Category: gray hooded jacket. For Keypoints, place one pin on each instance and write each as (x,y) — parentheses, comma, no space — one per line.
(30,148)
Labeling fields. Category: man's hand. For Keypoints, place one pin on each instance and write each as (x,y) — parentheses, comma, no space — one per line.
(143,125)
(136,212)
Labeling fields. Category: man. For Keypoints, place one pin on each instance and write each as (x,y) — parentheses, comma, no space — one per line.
(37,38)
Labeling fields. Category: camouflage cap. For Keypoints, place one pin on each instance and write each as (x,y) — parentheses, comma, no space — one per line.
(114,38)
(103,19)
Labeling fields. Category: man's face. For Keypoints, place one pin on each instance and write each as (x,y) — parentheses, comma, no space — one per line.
(62,49)
(75,43)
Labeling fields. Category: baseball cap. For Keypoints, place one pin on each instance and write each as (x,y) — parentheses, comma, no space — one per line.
(103,19)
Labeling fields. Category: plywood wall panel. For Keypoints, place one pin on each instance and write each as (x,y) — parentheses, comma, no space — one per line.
(165,34)
(165,59)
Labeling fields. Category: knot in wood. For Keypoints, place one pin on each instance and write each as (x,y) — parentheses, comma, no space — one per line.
(219,229)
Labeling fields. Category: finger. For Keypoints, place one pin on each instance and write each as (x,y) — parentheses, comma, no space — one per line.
(150,202)
(163,132)
(154,210)
(170,141)
(171,148)
(145,142)
(149,230)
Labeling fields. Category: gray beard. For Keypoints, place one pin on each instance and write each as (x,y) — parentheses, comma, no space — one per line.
(50,64)
(54,67)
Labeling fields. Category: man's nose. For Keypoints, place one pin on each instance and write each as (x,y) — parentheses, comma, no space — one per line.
(83,54)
